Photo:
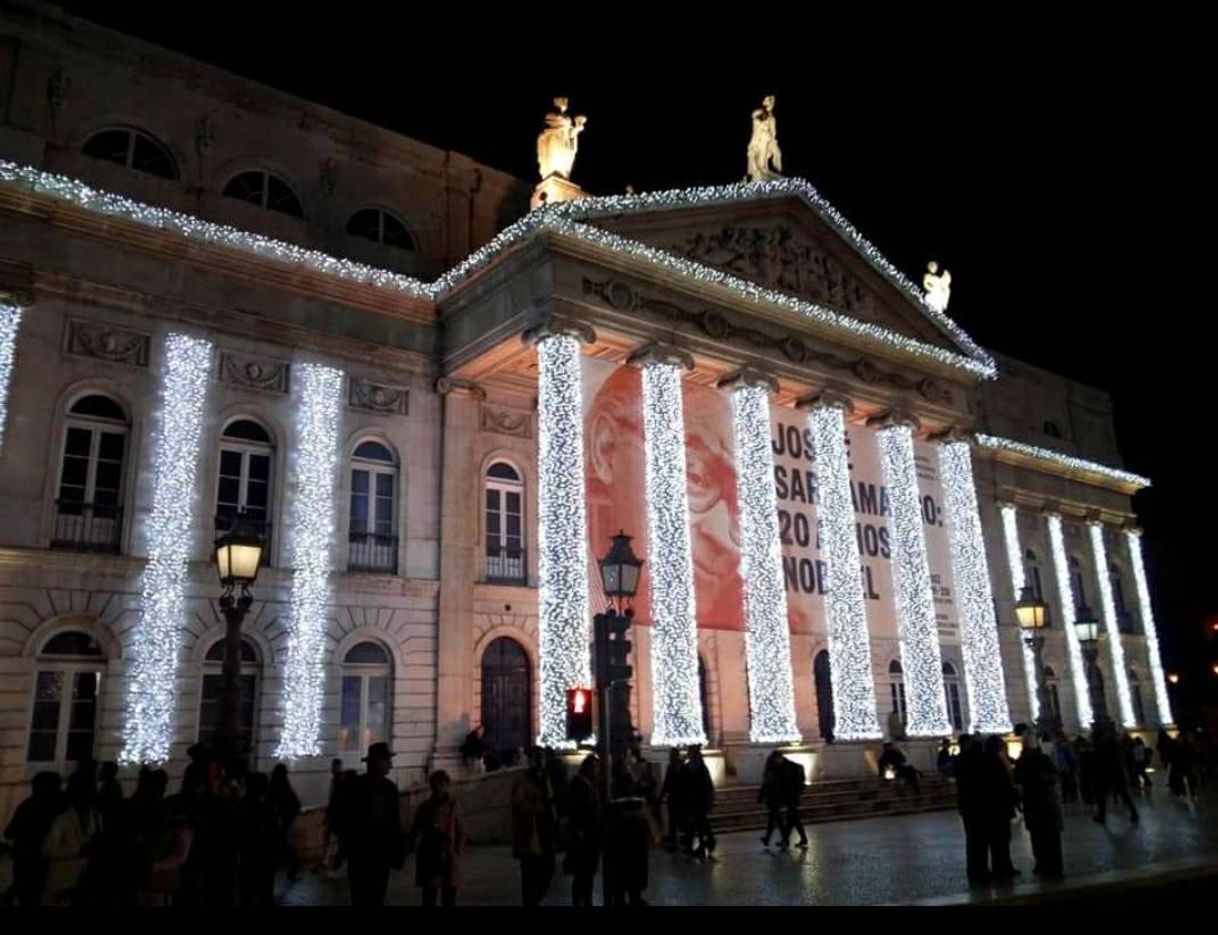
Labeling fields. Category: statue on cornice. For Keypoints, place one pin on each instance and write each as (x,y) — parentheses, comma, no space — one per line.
(938,287)
(558,143)
(763,146)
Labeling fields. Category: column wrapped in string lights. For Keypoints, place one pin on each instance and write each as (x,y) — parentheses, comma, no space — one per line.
(148,724)
(768,635)
(983,678)
(1116,650)
(1010,539)
(676,695)
(853,683)
(562,533)
(1066,614)
(1133,544)
(10,323)
(310,535)
(915,601)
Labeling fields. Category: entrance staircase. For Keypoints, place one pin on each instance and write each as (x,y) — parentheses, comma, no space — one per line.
(737,808)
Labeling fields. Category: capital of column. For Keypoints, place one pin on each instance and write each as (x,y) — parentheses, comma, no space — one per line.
(1051,508)
(894,417)
(952,434)
(459,387)
(660,353)
(1093,518)
(20,298)
(748,376)
(826,399)
(553,325)
(1006,505)
(1132,529)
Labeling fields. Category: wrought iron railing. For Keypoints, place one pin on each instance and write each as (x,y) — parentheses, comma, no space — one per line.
(371,552)
(87,527)
(506,566)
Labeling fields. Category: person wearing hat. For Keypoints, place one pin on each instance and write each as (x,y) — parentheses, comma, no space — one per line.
(372,829)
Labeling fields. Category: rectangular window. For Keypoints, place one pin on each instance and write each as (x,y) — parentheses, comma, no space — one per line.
(44,725)
(351,705)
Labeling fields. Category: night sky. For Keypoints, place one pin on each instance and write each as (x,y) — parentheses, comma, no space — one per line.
(1053,166)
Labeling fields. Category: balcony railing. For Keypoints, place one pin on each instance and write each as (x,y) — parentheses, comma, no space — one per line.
(370,552)
(232,522)
(506,566)
(87,527)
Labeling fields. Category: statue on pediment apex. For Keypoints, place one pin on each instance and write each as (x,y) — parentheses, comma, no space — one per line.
(558,143)
(938,287)
(763,149)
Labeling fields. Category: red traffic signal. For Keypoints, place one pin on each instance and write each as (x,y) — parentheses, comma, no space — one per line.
(579,714)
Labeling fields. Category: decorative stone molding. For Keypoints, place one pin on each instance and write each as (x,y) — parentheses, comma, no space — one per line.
(507,421)
(621,296)
(747,376)
(377,397)
(21,298)
(894,417)
(953,433)
(826,399)
(254,373)
(662,353)
(456,385)
(98,340)
(559,324)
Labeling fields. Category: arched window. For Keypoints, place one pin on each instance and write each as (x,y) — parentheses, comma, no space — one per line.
(89,503)
(506,709)
(1051,429)
(380,226)
(134,149)
(243,484)
(372,531)
(211,693)
(67,684)
(265,190)
(1135,696)
(1078,583)
(896,686)
(951,691)
(1031,574)
(1051,690)
(367,692)
(504,523)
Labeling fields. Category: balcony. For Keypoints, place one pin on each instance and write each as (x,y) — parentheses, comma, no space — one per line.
(87,527)
(371,553)
(506,566)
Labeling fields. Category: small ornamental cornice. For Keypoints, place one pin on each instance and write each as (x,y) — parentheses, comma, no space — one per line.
(826,399)
(460,387)
(748,376)
(661,353)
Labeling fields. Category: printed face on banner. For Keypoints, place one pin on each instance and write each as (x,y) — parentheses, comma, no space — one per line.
(616,488)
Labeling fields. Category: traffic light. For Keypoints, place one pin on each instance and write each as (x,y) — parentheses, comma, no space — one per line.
(579,714)
(612,649)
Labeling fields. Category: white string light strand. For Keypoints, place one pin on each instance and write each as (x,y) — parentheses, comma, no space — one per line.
(915,602)
(561,533)
(10,324)
(1116,650)
(854,702)
(148,727)
(1010,537)
(767,639)
(1066,613)
(987,695)
(676,697)
(311,533)
(1133,543)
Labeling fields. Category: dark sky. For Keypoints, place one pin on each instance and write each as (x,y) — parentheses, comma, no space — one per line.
(1052,164)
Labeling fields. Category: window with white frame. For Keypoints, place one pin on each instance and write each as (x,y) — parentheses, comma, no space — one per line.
(504,523)
(89,498)
(381,226)
(211,693)
(243,480)
(265,190)
(367,692)
(372,528)
(896,687)
(67,688)
(951,692)
(133,149)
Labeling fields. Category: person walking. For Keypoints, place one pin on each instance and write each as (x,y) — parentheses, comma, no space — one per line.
(793,779)
(773,795)
(1110,775)
(1037,778)
(370,826)
(699,790)
(585,812)
(287,804)
(970,801)
(438,837)
(1000,801)
(258,846)
(670,792)
(533,829)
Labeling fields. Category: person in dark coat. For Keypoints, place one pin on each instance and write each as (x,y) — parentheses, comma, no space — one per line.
(629,850)
(287,803)
(1066,761)
(793,778)
(257,847)
(109,796)
(209,877)
(1000,801)
(28,830)
(586,830)
(438,837)
(894,759)
(371,829)
(773,794)
(670,792)
(970,800)
(1036,776)
(1111,774)
(699,792)
(533,829)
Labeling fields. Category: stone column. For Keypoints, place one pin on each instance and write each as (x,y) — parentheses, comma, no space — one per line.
(676,701)
(459,504)
(852,680)
(768,635)
(983,677)
(1116,650)
(1066,614)
(915,602)
(562,534)
(1133,543)
(1010,539)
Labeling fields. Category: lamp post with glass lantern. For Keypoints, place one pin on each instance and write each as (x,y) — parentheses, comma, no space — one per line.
(238,558)
(1033,615)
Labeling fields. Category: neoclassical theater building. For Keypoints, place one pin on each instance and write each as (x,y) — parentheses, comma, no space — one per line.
(221,304)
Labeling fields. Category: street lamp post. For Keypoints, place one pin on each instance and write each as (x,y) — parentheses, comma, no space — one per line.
(1088,630)
(1032,615)
(238,558)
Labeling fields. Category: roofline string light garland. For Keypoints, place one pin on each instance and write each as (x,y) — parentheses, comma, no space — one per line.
(10,324)
(915,601)
(1099,558)
(310,538)
(1066,612)
(1010,538)
(853,683)
(676,697)
(562,533)
(1133,543)
(767,638)
(148,727)
(984,681)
